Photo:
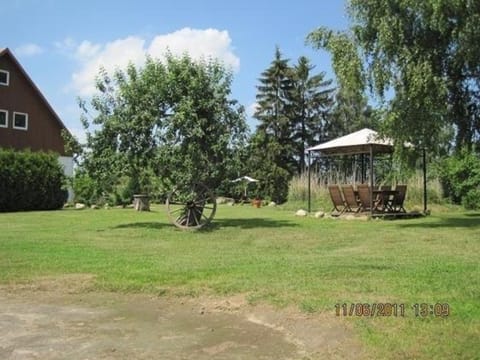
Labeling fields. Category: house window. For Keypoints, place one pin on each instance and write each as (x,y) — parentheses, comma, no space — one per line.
(20,121)
(4,77)
(3,118)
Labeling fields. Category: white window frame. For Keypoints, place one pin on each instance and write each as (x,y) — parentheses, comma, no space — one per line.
(26,121)
(8,78)
(6,118)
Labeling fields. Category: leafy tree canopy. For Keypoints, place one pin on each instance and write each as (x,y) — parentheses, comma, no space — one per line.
(421,58)
(172,119)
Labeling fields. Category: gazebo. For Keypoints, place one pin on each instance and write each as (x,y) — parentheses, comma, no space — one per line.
(365,141)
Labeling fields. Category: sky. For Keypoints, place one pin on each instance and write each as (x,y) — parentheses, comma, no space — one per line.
(62,43)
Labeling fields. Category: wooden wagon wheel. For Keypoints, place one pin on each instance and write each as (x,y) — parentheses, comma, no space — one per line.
(191,208)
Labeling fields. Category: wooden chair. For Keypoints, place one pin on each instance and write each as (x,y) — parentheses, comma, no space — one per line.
(337,200)
(350,199)
(399,198)
(384,201)
(364,195)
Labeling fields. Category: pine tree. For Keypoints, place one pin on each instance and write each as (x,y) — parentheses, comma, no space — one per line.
(273,98)
(311,105)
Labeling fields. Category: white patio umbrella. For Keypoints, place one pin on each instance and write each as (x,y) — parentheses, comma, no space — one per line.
(246,180)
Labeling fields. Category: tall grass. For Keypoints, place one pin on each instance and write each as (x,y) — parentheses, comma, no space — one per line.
(298,192)
(320,198)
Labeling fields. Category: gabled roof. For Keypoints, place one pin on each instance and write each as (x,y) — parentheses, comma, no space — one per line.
(7,52)
(358,142)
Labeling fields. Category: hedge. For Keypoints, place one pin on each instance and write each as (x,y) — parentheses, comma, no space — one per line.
(30,181)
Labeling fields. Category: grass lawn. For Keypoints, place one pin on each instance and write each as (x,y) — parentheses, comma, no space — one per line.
(272,256)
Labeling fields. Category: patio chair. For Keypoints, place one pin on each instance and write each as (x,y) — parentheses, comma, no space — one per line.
(364,195)
(399,198)
(384,201)
(350,199)
(337,200)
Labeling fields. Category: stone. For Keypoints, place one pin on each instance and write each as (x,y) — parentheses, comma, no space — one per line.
(319,214)
(80,206)
(272,203)
(224,200)
(95,207)
(301,212)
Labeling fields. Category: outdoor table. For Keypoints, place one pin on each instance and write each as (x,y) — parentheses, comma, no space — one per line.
(386,198)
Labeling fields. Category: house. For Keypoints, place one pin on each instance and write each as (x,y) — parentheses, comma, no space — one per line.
(27,121)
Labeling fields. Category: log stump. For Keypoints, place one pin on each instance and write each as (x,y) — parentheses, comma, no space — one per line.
(141,202)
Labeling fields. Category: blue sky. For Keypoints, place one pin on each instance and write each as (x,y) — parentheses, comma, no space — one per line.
(61,43)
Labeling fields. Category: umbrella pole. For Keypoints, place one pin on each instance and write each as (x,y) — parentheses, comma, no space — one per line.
(371,180)
(309,178)
(424,181)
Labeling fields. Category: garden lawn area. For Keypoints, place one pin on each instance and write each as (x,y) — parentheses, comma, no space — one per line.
(273,257)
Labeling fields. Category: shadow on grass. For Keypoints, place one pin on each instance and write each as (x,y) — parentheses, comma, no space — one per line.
(245,223)
(249,223)
(470,221)
(143,225)
(474,214)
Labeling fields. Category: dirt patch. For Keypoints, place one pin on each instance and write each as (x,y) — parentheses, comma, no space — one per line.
(58,318)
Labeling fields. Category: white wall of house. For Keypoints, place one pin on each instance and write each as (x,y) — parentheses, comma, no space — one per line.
(67,164)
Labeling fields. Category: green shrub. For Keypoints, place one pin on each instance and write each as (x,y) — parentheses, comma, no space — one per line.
(460,176)
(273,183)
(85,189)
(30,181)
(471,200)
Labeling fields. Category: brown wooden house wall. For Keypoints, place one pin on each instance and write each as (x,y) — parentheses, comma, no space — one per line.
(21,95)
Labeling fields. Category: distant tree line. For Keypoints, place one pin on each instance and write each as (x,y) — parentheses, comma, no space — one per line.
(174,121)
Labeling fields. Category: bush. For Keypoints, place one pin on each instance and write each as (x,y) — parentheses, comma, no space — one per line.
(30,181)
(273,183)
(460,176)
(84,189)
(471,200)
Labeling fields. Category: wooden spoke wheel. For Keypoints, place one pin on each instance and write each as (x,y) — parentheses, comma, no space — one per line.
(191,208)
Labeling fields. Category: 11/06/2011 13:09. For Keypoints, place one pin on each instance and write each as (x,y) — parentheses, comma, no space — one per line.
(392,309)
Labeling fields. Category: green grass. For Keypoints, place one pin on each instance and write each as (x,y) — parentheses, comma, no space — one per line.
(271,256)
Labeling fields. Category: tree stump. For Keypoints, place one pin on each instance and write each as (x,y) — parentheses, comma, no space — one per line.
(141,202)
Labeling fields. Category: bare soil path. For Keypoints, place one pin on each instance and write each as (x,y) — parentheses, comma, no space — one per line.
(58,318)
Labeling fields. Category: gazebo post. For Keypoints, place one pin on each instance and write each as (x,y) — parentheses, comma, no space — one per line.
(424,181)
(371,180)
(362,159)
(309,178)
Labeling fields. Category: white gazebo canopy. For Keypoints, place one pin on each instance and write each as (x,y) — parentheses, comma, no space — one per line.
(360,142)
(365,141)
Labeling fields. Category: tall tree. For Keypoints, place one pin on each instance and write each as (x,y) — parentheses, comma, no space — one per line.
(422,60)
(311,102)
(351,111)
(293,110)
(171,119)
(273,110)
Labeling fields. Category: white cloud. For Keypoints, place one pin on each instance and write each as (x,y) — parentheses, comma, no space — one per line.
(113,55)
(28,50)
(66,45)
(209,43)
(86,50)
(251,109)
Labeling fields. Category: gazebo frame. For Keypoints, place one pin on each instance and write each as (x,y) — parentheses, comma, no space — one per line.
(365,141)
